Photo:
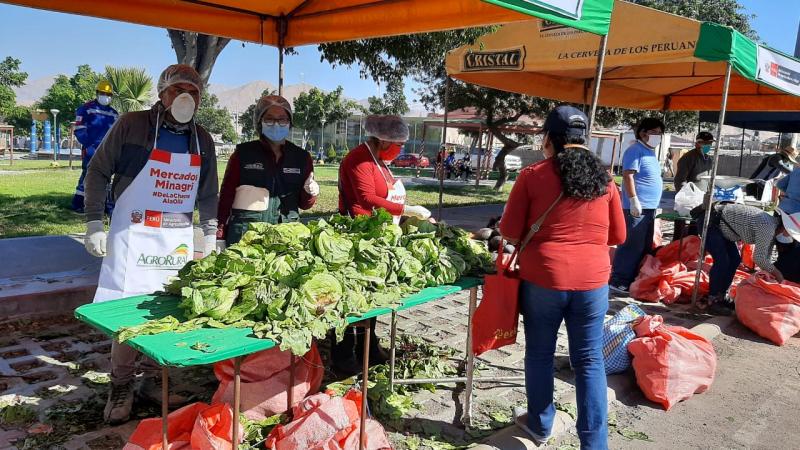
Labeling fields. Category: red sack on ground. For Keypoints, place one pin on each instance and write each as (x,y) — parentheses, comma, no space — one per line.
(669,283)
(325,422)
(688,247)
(265,380)
(496,319)
(197,427)
(671,363)
(770,309)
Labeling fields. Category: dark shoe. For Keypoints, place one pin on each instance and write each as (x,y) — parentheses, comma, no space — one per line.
(619,289)
(151,391)
(119,404)
(721,308)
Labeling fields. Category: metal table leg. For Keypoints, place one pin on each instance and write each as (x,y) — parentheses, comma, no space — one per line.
(466,419)
(392,350)
(237,404)
(290,393)
(164,406)
(362,438)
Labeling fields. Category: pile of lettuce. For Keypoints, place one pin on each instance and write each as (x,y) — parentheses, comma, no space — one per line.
(293,282)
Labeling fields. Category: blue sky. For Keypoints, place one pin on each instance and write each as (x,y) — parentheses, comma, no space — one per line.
(26,34)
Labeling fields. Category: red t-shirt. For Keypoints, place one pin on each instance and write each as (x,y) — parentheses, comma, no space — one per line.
(570,251)
(364,185)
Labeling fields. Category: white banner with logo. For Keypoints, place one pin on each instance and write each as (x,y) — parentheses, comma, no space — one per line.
(570,8)
(778,70)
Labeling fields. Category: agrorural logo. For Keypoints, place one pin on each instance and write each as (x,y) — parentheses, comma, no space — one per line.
(174,260)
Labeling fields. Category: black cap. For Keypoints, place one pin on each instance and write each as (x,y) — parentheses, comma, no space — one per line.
(704,136)
(567,120)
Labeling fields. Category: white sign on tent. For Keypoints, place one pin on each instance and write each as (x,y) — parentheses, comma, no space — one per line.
(778,70)
(569,8)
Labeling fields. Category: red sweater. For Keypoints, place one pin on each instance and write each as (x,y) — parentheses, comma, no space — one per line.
(363,186)
(227,192)
(570,251)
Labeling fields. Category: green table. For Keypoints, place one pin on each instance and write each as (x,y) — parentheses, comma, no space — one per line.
(172,349)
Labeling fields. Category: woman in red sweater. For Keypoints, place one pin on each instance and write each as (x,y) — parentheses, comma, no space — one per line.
(565,268)
(367,184)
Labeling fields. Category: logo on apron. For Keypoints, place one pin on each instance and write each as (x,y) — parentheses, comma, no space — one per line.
(174,260)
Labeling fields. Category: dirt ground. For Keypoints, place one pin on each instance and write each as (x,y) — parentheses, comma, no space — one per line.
(753,403)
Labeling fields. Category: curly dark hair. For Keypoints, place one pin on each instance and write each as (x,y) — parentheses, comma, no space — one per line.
(582,173)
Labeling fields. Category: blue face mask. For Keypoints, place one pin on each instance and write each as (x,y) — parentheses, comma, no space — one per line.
(706,149)
(275,133)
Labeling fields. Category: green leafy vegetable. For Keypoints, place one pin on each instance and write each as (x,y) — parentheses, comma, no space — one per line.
(293,282)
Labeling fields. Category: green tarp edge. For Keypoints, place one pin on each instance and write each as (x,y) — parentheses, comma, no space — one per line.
(210,345)
(722,43)
(595,18)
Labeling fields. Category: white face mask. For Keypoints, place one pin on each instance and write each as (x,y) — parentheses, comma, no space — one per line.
(783,239)
(183,108)
(654,140)
(104,99)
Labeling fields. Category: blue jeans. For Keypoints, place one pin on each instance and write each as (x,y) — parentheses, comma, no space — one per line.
(726,260)
(638,243)
(584,312)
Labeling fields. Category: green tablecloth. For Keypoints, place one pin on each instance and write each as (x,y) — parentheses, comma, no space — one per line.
(674,217)
(176,349)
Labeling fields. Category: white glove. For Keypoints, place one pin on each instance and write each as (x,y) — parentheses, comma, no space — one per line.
(636,207)
(221,245)
(416,211)
(95,240)
(209,244)
(311,186)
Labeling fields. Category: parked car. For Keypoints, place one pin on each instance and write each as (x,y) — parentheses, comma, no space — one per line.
(513,162)
(411,160)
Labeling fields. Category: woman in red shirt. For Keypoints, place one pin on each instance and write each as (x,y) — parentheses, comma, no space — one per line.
(367,184)
(565,269)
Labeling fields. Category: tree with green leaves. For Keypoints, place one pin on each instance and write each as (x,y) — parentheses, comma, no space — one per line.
(392,102)
(421,57)
(132,88)
(67,94)
(315,107)
(214,119)
(10,77)
(197,50)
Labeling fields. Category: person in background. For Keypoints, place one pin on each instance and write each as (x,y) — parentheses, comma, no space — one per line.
(773,166)
(564,269)
(731,223)
(641,188)
(92,122)
(267,180)
(789,252)
(365,185)
(693,165)
(163,165)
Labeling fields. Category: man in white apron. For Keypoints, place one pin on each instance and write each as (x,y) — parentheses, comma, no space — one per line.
(367,184)
(162,164)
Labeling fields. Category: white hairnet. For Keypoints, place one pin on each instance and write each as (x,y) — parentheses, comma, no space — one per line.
(386,128)
(179,73)
(266,102)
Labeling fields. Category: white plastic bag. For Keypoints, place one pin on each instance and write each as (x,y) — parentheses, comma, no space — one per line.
(687,198)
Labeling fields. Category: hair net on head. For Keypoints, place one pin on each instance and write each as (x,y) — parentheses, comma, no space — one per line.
(386,128)
(266,102)
(179,73)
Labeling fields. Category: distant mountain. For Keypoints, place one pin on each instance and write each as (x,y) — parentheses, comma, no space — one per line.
(33,90)
(234,98)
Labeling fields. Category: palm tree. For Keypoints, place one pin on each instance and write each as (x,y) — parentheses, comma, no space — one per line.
(132,88)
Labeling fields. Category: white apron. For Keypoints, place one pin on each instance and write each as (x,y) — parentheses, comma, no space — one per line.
(151,233)
(397,192)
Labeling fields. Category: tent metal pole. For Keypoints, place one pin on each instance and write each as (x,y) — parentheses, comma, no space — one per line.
(283,24)
(280,71)
(478,154)
(710,194)
(444,146)
(598,77)
(741,154)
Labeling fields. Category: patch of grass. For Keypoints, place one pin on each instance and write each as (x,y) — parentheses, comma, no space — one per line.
(37,203)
